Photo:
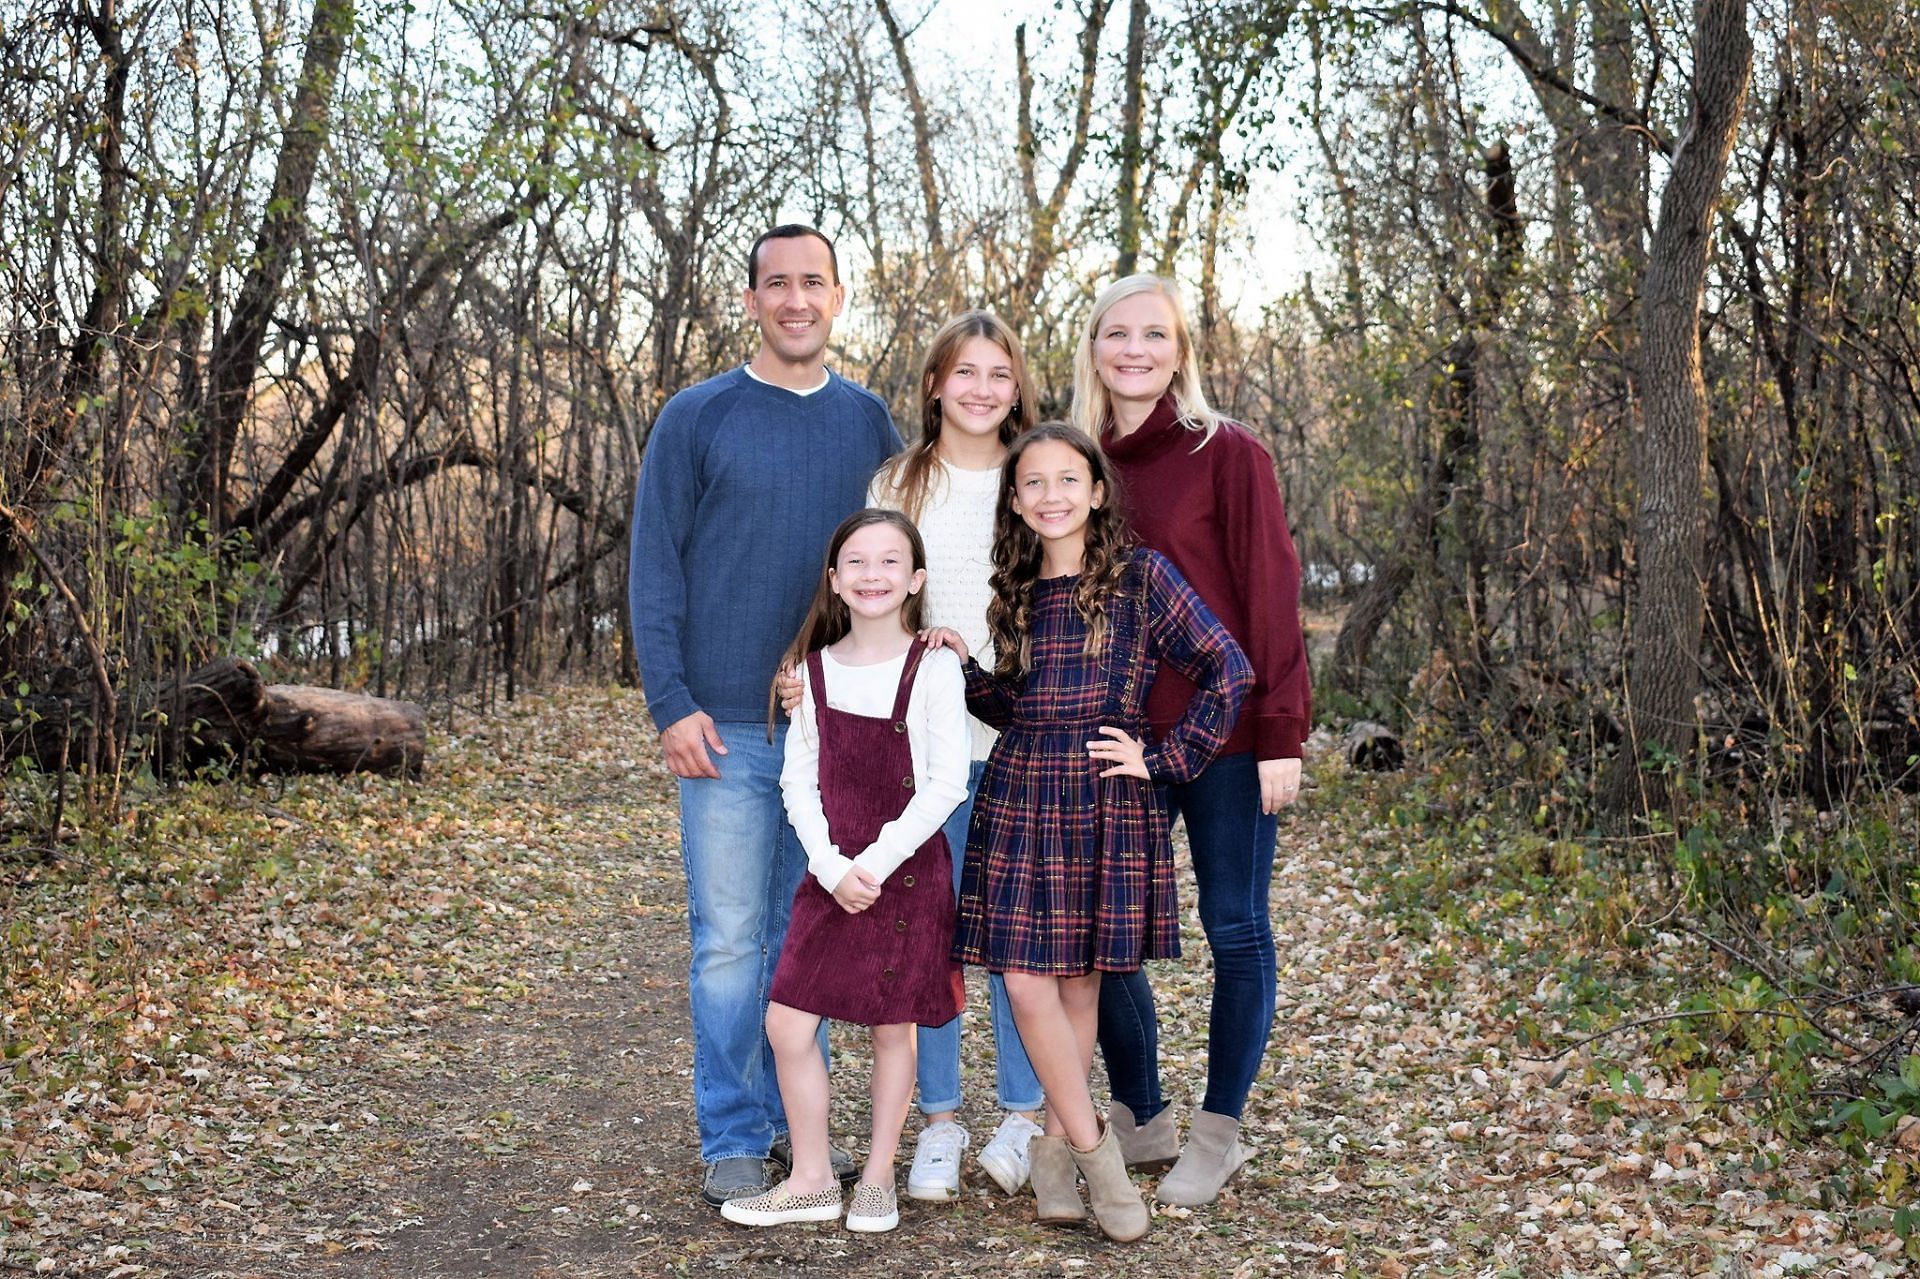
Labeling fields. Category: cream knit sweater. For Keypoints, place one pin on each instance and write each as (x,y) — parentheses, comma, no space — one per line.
(957,527)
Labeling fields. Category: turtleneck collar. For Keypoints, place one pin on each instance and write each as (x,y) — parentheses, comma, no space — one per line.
(1161,429)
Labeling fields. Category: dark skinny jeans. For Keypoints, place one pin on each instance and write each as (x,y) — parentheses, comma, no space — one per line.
(1233,848)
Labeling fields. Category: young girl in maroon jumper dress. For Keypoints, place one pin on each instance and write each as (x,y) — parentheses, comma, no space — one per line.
(876,760)
(1069,863)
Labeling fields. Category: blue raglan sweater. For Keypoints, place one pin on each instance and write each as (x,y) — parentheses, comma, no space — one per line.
(741,486)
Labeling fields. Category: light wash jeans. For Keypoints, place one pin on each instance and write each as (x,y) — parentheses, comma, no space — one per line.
(743,863)
(939,1069)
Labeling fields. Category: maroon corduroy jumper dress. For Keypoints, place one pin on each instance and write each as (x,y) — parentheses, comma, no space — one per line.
(888,964)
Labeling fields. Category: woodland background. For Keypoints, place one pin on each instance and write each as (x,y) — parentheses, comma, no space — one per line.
(330,335)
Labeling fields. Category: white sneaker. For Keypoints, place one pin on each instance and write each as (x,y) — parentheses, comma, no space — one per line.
(1005,1155)
(936,1162)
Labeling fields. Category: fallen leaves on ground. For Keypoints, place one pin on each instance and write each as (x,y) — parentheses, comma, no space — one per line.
(298,1026)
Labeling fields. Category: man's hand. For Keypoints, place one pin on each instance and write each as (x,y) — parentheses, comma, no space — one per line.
(1279,783)
(857,890)
(685,742)
(786,686)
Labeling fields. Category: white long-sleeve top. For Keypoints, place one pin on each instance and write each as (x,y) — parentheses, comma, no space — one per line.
(956,527)
(937,735)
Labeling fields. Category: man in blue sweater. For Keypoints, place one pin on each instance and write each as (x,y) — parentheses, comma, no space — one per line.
(744,478)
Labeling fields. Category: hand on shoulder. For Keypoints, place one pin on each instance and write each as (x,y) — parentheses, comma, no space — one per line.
(945,638)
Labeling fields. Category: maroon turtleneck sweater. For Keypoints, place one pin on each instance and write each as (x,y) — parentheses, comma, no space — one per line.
(1216,513)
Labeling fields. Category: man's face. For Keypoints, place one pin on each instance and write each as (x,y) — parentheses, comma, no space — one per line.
(796,298)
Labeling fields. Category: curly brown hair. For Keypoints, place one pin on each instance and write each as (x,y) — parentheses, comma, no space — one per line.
(1016,554)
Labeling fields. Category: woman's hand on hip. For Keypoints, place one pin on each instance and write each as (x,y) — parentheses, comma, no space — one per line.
(1279,783)
(1127,755)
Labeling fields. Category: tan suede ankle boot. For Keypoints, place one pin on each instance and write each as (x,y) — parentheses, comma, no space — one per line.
(1055,1182)
(1213,1154)
(1150,1149)
(1117,1207)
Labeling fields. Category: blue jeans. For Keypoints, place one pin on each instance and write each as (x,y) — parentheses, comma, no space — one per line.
(743,863)
(1233,845)
(939,1070)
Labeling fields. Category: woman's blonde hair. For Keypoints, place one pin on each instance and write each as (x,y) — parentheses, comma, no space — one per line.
(908,478)
(1093,405)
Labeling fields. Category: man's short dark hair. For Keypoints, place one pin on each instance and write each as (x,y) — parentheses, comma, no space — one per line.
(788,231)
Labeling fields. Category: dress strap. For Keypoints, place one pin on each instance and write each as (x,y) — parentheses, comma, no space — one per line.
(907,674)
(817,681)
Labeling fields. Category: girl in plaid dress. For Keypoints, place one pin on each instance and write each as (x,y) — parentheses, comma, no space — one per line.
(1069,864)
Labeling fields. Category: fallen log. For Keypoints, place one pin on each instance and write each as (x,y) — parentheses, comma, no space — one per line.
(208,715)
(309,729)
(225,712)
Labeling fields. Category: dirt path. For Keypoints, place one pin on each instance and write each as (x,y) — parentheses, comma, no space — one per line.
(547,1130)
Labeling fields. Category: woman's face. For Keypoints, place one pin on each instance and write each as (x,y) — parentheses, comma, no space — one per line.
(979,390)
(1136,348)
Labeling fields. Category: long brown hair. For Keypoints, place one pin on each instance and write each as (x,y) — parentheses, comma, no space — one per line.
(827,617)
(909,476)
(1016,555)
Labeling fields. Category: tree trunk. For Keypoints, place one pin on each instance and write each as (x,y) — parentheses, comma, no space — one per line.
(236,355)
(1127,196)
(30,465)
(1043,217)
(922,132)
(1669,455)
(1440,487)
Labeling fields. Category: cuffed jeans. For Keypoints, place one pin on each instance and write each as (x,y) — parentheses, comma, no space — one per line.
(743,863)
(1233,848)
(939,1070)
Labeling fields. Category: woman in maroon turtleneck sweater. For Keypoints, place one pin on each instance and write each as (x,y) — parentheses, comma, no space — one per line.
(1201,490)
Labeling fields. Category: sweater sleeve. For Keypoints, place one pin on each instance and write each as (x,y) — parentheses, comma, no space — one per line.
(663,515)
(800,789)
(989,696)
(886,434)
(1255,521)
(1186,636)
(939,703)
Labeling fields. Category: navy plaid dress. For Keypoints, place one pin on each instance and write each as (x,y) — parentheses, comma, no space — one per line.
(1068,872)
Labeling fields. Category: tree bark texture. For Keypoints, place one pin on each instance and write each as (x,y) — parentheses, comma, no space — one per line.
(326,730)
(1670,449)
